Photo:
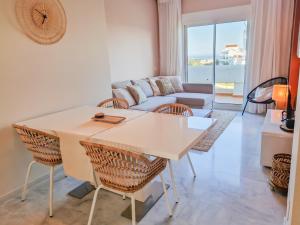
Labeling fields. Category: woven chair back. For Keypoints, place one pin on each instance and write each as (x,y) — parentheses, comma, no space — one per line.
(119,169)
(43,146)
(117,103)
(176,109)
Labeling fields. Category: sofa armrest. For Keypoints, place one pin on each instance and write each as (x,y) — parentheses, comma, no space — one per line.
(198,88)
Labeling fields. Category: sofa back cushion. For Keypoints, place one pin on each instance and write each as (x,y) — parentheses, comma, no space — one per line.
(165,86)
(176,83)
(155,89)
(137,93)
(121,84)
(144,84)
(124,93)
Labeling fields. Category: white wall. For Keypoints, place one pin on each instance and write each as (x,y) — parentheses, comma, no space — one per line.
(224,15)
(189,6)
(133,38)
(37,79)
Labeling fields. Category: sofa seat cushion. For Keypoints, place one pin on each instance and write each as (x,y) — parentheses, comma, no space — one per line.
(154,102)
(197,100)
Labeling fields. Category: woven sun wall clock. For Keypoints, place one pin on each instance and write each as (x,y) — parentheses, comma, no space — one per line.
(44,21)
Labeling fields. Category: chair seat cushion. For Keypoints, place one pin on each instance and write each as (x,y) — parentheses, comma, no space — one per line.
(263,94)
(193,99)
(154,102)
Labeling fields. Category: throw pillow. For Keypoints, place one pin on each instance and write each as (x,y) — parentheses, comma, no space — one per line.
(156,91)
(165,86)
(176,83)
(121,84)
(263,94)
(137,93)
(145,87)
(124,93)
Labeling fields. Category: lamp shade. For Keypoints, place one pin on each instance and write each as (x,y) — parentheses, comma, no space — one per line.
(280,94)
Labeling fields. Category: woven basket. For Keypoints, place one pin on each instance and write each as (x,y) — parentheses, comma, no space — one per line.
(280,174)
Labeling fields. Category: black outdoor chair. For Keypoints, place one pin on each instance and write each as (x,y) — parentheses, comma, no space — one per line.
(268,83)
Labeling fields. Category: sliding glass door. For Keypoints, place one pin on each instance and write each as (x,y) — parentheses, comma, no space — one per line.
(200,44)
(216,54)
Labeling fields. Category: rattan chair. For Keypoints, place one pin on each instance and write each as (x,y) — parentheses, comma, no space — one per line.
(183,110)
(268,83)
(176,109)
(123,171)
(117,103)
(45,150)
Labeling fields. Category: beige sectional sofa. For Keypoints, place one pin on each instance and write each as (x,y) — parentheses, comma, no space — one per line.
(194,95)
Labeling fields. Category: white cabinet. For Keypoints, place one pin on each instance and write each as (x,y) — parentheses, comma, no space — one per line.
(273,139)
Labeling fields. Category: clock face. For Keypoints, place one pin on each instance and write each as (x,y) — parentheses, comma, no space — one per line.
(44,21)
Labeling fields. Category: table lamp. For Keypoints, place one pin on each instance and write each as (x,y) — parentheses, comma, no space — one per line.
(280,95)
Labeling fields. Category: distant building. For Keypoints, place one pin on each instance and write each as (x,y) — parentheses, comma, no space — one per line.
(232,54)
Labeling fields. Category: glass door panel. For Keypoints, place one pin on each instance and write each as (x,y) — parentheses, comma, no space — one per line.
(230,62)
(200,54)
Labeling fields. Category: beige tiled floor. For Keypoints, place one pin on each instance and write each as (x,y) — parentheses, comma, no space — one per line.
(230,189)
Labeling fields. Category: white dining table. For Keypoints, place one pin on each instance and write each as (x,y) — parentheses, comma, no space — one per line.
(161,135)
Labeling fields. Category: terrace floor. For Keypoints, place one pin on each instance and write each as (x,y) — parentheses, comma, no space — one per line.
(228,99)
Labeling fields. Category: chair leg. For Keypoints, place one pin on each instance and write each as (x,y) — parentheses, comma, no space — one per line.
(23,196)
(173,180)
(93,205)
(124,196)
(96,183)
(51,192)
(191,164)
(133,217)
(165,194)
(245,107)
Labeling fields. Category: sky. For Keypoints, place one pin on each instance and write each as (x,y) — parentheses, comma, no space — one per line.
(200,38)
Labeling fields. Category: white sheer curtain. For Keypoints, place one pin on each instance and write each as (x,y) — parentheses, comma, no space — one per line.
(170,37)
(269,43)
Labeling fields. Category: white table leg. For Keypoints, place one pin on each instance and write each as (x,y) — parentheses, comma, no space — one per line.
(173,180)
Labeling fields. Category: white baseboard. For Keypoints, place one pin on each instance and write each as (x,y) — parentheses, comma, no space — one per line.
(17,191)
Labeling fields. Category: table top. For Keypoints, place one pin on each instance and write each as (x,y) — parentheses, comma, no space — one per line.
(272,123)
(163,135)
(78,120)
